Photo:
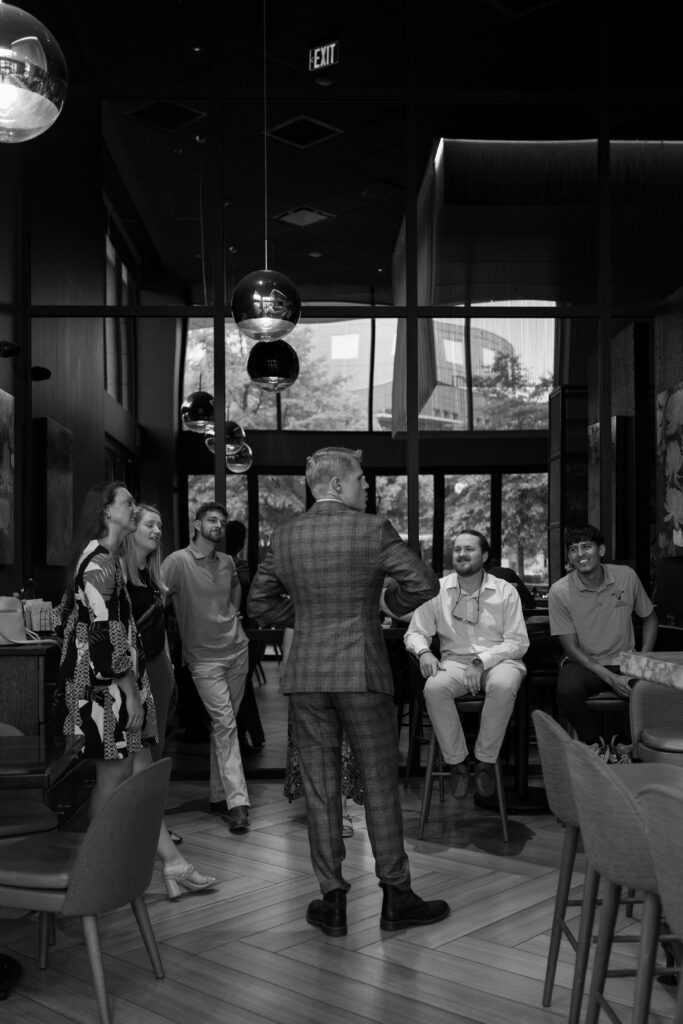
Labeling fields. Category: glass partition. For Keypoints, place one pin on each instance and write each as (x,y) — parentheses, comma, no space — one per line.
(524,520)
(467,504)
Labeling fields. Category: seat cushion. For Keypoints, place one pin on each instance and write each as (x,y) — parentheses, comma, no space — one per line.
(40,862)
(636,776)
(669,740)
(21,817)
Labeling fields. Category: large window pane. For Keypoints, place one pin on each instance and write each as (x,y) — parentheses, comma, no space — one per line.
(509,362)
(512,372)
(280,499)
(525,527)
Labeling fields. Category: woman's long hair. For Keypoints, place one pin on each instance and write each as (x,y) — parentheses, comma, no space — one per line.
(92,523)
(152,562)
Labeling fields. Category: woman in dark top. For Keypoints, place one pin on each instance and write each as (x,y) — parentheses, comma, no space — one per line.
(140,554)
(142,563)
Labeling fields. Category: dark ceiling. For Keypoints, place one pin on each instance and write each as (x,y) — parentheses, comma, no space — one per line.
(184,84)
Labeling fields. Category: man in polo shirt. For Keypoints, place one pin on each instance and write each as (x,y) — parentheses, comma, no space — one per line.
(591,612)
(202,582)
(480,625)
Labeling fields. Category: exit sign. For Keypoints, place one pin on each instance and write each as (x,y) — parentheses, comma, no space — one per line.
(323,56)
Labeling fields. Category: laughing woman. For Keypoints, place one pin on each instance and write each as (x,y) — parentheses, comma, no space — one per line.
(141,558)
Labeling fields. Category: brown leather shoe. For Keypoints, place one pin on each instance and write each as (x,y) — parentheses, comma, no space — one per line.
(402,908)
(329,913)
(238,818)
(485,779)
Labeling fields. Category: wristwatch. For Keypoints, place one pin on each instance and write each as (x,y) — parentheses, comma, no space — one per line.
(477,662)
(425,650)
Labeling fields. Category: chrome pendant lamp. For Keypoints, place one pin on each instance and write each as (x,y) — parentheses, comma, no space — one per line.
(241,461)
(234,438)
(265,304)
(33,76)
(196,412)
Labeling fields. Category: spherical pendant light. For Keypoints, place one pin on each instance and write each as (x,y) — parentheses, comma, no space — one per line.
(266,305)
(33,76)
(234,438)
(273,365)
(196,412)
(241,461)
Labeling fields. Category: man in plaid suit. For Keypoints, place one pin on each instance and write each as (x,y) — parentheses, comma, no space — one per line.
(325,574)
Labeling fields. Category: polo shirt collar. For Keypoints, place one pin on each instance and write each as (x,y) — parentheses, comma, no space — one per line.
(196,553)
(607,581)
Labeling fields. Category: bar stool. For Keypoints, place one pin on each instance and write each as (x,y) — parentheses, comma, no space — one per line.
(437,769)
(657,722)
(616,841)
(606,703)
(553,743)
(662,809)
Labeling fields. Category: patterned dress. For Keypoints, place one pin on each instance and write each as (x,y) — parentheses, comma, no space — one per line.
(351,781)
(101,644)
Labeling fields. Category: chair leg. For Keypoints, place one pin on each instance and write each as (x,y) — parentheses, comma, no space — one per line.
(414,723)
(427,788)
(585,939)
(92,941)
(44,922)
(52,930)
(678,1013)
(145,925)
(608,916)
(571,839)
(647,954)
(502,807)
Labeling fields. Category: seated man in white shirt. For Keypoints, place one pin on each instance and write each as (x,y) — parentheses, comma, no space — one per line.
(480,625)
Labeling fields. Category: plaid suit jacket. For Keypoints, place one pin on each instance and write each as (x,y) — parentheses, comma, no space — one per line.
(324,575)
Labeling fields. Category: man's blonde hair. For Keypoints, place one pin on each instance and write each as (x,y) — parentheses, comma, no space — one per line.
(326,463)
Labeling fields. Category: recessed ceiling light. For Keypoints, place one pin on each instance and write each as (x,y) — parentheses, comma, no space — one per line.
(303,216)
(315,255)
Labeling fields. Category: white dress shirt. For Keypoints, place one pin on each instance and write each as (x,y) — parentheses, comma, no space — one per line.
(488,624)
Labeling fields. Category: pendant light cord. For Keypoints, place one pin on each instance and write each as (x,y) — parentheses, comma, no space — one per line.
(265,145)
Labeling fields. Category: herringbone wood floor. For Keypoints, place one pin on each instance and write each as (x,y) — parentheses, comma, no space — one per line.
(243,953)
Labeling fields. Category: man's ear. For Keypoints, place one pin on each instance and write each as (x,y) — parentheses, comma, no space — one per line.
(485,557)
(601,550)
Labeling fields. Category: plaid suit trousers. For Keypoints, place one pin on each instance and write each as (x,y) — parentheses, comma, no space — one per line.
(369,721)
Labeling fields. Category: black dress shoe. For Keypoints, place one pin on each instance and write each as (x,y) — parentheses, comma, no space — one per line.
(329,913)
(401,908)
(238,818)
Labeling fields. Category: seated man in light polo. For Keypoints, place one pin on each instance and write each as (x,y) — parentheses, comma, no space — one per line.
(479,622)
(591,611)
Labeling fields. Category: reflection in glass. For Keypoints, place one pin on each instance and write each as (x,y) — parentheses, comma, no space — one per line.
(486,374)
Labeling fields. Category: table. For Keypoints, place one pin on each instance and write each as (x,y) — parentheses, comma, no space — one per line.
(665,667)
(31,762)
